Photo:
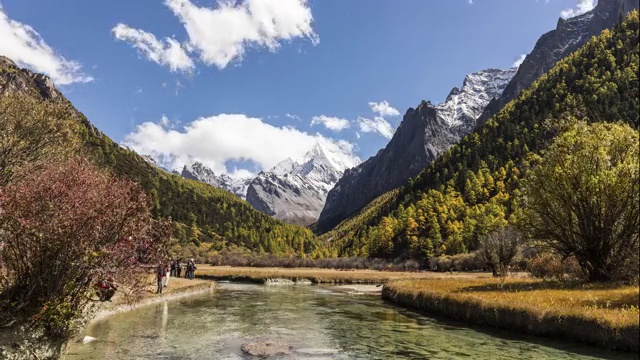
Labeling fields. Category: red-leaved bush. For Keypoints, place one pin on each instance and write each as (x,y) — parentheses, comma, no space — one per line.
(64,228)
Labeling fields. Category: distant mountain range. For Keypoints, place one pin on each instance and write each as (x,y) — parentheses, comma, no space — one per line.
(291,191)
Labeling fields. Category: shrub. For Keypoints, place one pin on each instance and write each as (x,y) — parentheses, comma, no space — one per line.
(582,199)
(239,257)
(460,262)
(32,132)
(547,265)
(499,248)
(64,228)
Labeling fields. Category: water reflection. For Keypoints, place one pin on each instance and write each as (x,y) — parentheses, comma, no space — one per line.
(320,324)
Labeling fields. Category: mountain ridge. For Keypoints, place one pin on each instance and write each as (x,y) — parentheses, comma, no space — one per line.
(424,133)
(568,36)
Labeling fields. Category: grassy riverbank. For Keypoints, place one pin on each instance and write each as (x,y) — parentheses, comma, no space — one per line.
(600,314)
(319,276)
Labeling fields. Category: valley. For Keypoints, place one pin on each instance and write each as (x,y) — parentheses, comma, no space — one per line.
(498,220)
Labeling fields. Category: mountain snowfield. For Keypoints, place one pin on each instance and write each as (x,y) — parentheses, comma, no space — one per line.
(293,190)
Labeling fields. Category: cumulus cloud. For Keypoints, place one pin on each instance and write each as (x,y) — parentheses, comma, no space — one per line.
(167,53)
(24,45)
(519,61)
(330,122)
(215,140)
(383,108)
(376,125)
(581,7)
(221,35)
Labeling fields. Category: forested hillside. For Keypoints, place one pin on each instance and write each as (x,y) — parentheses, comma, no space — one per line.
(470,189)
(201,213)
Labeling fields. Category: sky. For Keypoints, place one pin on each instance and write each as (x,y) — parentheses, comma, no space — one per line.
(241,85)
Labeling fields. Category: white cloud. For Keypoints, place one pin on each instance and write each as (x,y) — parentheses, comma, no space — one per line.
(241,174)
(293,116)
(330,122)
(222,34)
(519,61)
(214,140)
(164,121)
(582,6)
(168,53)
(383,108)
(24,45)
(377,125)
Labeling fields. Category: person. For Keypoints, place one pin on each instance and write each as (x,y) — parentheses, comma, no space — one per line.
(178,267)
(173,268)
(160,274)
(193,269)
(187,272)
(106,289)
(167,275)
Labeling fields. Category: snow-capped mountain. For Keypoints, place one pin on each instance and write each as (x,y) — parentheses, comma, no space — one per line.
(198,171)
(296,192)
(463,106)
(291,191)
(424,134)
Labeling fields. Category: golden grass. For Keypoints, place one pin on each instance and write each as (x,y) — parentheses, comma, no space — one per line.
(316,275)
(601,314)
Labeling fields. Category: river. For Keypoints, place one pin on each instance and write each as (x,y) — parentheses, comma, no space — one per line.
(318,322)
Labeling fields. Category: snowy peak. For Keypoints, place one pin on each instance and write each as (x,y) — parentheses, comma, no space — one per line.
(464,106)
(284,167)
(335,158)
(291,191)
(298,195)
(324,166)
(198,171)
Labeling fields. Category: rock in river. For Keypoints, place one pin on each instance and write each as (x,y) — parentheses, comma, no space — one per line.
(267,348)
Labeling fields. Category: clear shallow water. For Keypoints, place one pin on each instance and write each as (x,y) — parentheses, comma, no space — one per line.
(318,322)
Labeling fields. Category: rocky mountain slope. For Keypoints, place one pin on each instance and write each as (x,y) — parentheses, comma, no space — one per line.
(291,191)
(425,132)
(569,35)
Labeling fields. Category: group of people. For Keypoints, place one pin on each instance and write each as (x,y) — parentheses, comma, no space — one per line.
(173,269)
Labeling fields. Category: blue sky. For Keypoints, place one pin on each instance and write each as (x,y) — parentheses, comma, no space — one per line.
(240,68)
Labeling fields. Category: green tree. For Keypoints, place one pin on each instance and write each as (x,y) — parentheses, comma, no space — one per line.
(582,198)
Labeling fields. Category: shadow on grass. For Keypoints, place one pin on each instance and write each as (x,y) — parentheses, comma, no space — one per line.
(572,347)
(543,285)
